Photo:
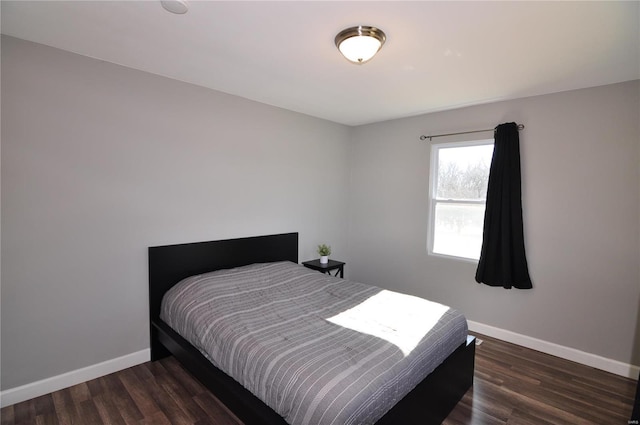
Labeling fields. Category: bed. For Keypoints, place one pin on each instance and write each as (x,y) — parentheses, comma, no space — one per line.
(428,403)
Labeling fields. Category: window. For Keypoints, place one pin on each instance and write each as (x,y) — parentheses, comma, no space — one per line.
(458,193)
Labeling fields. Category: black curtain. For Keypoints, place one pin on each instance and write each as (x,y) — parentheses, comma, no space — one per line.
(502,259)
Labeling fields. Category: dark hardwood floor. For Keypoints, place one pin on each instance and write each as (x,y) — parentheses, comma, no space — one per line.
(516,385)
(513,385)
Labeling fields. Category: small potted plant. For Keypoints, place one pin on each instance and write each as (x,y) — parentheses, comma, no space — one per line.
(325,252)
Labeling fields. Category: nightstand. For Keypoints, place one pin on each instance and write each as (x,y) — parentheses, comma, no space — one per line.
(338,266)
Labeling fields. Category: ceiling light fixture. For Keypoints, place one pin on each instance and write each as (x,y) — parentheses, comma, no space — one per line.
(360,44)
(178,7)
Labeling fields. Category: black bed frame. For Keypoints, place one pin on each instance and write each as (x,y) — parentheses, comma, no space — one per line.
(429,403)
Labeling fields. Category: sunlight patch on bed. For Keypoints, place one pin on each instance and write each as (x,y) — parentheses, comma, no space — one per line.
(400,319)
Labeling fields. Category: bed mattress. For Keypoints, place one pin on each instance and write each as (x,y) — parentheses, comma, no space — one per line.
(315,348)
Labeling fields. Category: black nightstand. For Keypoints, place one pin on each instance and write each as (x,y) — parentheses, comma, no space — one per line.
(338,266)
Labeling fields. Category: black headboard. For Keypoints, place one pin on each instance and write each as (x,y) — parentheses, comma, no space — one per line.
(170,264)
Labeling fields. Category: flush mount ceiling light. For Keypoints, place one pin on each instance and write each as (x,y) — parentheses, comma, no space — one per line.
(178,7)
(359,44)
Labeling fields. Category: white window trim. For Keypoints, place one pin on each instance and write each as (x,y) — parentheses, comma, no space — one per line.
(433,184)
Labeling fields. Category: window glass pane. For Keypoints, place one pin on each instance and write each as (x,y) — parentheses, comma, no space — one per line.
(458,230)
(463,172)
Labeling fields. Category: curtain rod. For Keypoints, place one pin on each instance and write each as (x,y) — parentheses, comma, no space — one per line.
(423,137)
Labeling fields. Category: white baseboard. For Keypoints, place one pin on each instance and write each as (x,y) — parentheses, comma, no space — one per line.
(588,359)
(55,383)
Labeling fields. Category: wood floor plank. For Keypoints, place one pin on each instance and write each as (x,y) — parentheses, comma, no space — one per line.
(121,399)
(143,373)
(44,405)
(512,386)
(138,393)
(80,392)
(467,412)
(89,412)
(183,399)
(94,387)
(485,399)
(107,410)
(169,407)
(25,413)
(7,416)
(127,408)
(47,419)
(157,418)
(64,407)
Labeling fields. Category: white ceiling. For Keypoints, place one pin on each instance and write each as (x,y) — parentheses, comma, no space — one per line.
(438,55)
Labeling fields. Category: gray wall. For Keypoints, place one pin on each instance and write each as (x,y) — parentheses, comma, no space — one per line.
(581,186)
(101,161)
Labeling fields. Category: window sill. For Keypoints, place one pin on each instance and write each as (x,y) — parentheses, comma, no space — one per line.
(453,257)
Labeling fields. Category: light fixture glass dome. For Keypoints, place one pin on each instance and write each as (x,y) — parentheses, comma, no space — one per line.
(360,44)
(179,7)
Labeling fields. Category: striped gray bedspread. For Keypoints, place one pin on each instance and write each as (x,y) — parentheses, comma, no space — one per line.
(315,348)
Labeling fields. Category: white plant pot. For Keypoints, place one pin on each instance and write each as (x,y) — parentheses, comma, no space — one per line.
(324,259)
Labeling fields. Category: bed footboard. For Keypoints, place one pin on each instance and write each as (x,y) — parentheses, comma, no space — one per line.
(434,398)
(427,404)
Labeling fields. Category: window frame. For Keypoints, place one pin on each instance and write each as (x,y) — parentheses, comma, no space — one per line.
(433,201)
